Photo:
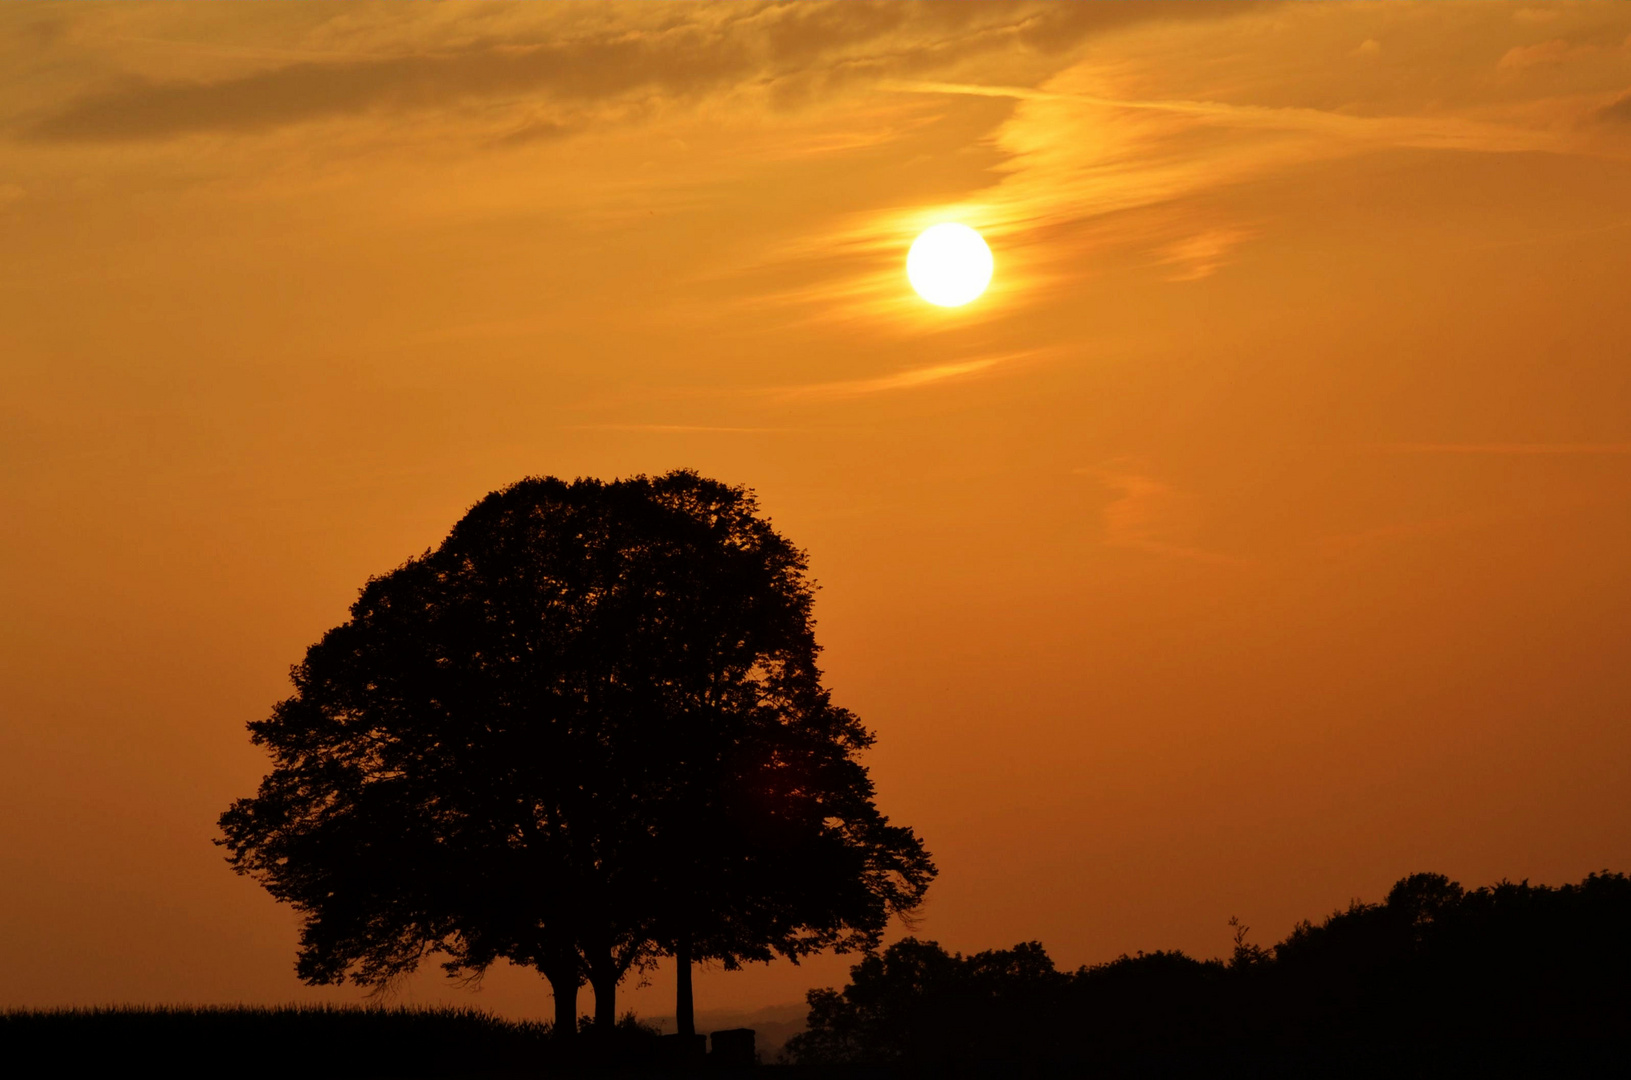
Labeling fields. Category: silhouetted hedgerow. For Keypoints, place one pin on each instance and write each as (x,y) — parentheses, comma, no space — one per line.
(1434,973)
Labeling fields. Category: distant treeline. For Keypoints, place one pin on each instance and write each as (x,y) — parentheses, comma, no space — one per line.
(1487,975)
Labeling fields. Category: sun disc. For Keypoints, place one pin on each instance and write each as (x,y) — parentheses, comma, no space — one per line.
(949,264)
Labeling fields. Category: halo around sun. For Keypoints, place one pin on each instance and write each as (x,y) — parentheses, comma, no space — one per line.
(949,264)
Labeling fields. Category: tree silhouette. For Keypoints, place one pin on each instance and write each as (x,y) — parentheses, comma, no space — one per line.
(587,730)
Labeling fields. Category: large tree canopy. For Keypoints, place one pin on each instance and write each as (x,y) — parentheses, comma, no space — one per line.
(586,730)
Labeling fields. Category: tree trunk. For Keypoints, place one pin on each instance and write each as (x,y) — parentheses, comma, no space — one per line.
(605,984)
(564,986)
(684,1011)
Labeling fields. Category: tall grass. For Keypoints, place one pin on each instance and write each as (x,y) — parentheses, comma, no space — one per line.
(290,1040)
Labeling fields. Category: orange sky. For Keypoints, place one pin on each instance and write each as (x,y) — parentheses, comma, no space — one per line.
(1260,537)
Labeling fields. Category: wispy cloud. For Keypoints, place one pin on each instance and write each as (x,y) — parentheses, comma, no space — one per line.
(1510,449)
(1150,515)
(1617,111)
(1341,543)
(1110,130)
(689,429)
(1545,52)
(1097,140)
(909,379)
(1446,132)
(417,59)
(1201,255)
(149,109)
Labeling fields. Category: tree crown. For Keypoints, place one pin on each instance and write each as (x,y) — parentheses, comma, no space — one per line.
(588,725)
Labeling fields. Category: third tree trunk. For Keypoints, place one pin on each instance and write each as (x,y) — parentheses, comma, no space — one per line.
(684,1015)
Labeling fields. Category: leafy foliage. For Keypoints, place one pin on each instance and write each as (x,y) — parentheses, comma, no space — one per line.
(587,727)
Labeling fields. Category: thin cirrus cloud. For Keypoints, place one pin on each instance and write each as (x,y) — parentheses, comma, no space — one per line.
(1086,145)
(1112,132)
(1149,515)
(909,379)
(142,109)
(1381,535)
(790,53)
(1617,111)
(1201,255)
(1555,51)
(1511,449)
(690,429)
(1076,154)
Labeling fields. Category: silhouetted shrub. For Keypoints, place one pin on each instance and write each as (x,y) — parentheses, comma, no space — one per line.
(1488,975)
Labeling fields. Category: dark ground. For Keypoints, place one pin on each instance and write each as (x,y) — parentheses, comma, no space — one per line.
(408,1043)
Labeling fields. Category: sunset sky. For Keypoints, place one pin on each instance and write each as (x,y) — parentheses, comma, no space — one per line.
(1262,535)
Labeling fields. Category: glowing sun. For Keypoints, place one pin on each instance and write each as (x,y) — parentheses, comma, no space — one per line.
(949,265)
